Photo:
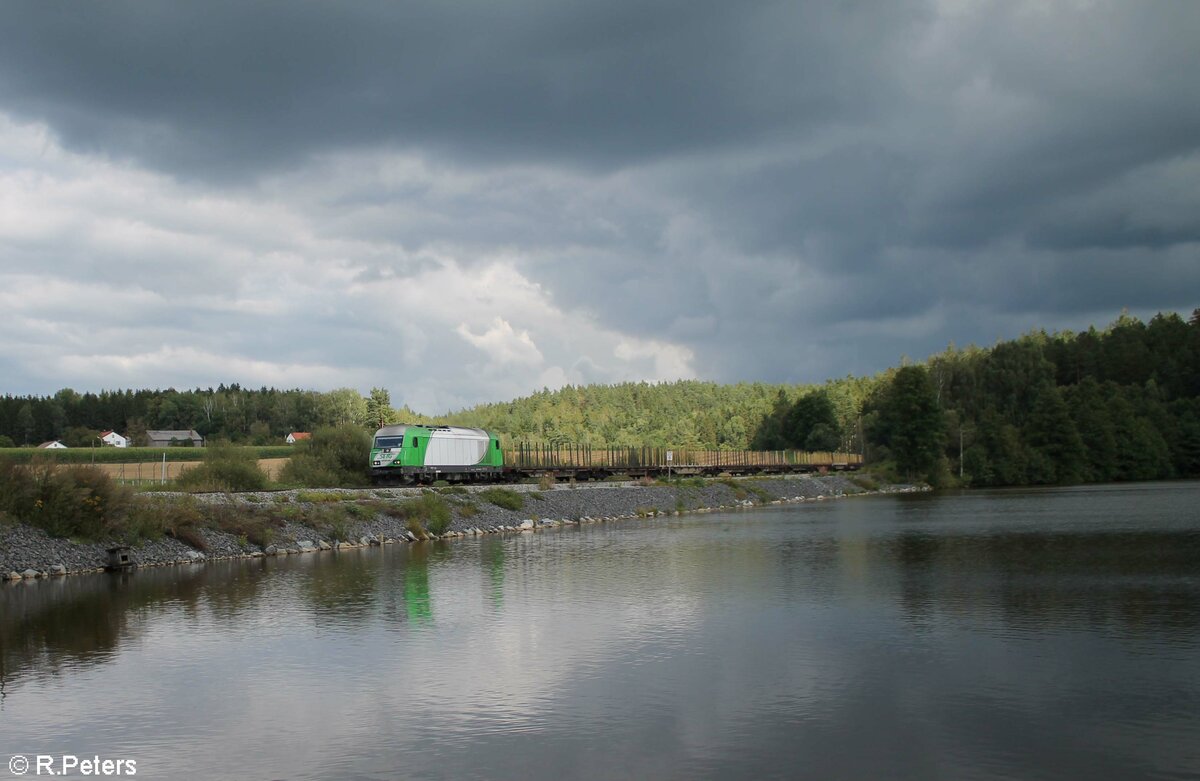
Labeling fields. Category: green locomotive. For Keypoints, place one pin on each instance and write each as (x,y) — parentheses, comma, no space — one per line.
(426,453)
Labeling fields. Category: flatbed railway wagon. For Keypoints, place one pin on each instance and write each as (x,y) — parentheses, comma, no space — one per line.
(598,463)
(423,454)
(409,453)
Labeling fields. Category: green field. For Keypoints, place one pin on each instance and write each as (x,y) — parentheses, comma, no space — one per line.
(128,455)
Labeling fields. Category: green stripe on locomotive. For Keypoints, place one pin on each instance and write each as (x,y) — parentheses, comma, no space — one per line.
(410,449)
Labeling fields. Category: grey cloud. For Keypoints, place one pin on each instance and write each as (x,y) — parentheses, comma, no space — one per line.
(228,88)
(791,191)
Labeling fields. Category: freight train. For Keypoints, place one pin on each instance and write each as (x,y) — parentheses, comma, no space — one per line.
(423,454)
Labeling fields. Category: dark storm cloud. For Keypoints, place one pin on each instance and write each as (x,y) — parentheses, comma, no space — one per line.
(788,190)
(231,87)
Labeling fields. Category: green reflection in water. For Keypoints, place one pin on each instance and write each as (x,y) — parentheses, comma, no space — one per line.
(493,560)
(416,586)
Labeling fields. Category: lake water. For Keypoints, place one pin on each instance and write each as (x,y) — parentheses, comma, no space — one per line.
(1050,634)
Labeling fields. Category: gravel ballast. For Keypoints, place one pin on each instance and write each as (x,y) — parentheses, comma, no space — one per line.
(28,553)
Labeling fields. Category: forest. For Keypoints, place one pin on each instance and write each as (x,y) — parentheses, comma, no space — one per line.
(1121,403)
(1118,404)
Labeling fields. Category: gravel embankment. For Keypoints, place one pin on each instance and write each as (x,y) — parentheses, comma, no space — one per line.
(26,552)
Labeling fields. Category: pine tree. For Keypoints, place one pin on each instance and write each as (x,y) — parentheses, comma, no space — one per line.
(379,407)
(911,423)
(1090,412)
(25,422)
(1056,450)
(811,424)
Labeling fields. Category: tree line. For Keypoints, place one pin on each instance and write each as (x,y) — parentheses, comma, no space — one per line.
(232,413)
(1121,403)
(1117,404)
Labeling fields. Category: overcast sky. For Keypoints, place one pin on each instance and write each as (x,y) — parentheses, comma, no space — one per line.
(466,201)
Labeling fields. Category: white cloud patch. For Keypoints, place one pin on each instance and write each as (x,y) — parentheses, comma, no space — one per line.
(112,276)
(193,366)
(503,345)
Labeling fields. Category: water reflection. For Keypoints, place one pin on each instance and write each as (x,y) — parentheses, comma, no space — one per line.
(64,623)
(492,555)
(1038,634)
(416,586)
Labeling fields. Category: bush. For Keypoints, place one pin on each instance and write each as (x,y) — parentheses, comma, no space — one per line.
(334,521)
(256,525)
(361,511)
(332,458)
(320,497)
(150,517)
(865,482)
(432,511)
(225,468)
(504,498)
(190,536)
(429,513)
(145,520)
(17,493)
(75,501)
(546,482)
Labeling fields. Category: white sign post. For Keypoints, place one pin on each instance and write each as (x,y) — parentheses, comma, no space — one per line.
(670,458)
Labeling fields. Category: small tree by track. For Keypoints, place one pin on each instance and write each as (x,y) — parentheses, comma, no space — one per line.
(333,457)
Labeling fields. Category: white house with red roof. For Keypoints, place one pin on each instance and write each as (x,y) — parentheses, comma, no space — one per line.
(113,439)
(296,436)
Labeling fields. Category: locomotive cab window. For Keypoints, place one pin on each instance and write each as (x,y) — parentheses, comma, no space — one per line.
(415,440)
(389,441)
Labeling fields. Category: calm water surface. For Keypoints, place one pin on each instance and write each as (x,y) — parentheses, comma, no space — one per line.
(1035,634)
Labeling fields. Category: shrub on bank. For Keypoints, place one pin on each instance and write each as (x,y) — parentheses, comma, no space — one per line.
(865,482)
(225,468)
(74,501)
(254,524)
(428,512)
(321,497)
(433,512)
(332,458)
(505,498)
(16,490)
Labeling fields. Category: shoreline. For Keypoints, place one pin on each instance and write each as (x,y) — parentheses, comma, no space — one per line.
(28,553)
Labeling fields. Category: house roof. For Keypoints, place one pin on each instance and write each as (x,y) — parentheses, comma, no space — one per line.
(177,434)
(300,435)
(52,443)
